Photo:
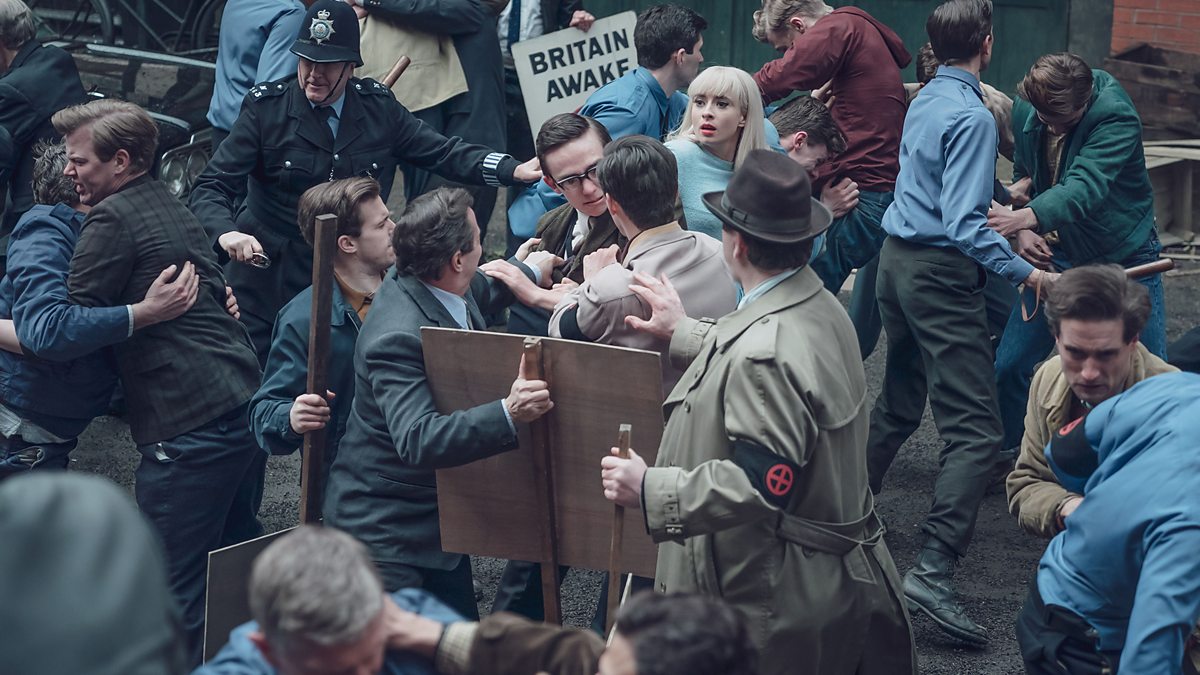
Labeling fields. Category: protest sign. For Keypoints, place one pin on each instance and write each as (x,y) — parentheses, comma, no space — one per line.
(559,70)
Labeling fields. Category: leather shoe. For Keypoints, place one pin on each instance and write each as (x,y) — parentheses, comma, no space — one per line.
(927,589)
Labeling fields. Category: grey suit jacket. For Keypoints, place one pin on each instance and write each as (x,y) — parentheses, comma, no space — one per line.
(179,374)
(382,486)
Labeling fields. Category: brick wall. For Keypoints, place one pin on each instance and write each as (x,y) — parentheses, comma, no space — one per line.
(1173,24)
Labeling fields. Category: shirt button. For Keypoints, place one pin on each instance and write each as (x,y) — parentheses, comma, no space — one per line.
(687,407)
(336,158)
(374,165)
(287,164)
(358,87)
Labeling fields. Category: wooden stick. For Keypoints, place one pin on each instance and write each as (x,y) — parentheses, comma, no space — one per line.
(397,70)
(612,631)
(618,533)
(1156,267)
(313,462)
(543,479)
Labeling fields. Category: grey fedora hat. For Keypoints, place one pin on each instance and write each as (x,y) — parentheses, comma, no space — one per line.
(769,197)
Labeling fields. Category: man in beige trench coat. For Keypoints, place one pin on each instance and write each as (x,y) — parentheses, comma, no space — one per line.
(760,491)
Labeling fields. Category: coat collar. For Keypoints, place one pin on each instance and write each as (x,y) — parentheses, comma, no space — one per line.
(309,126)
(342,311)
(430,306)
(648,240)
(23,55)
(796,289)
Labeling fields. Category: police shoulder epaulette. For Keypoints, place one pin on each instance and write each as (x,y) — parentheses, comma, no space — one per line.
(368,86)
(265,90)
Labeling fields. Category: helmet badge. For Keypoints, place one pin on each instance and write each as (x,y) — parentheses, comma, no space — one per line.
(321,28)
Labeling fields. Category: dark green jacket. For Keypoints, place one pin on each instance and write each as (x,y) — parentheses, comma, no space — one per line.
(1102,205)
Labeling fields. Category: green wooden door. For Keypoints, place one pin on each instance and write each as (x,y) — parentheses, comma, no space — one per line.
(1024,29)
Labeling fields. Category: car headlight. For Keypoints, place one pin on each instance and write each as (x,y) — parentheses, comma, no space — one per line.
(174,174)
(180,167)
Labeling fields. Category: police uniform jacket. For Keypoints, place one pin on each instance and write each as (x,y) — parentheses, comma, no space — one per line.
(760,495)
(279,147)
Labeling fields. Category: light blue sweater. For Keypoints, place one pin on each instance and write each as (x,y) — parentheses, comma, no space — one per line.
(700,171)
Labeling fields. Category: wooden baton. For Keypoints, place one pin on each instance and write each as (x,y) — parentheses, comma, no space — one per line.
(313,456)
(618,533)
(1147,269)
(397,70)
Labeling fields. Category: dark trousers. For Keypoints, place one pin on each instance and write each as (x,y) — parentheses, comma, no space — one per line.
(1056,641)
(189,488)
(453,587)
(932,304)
(520,592)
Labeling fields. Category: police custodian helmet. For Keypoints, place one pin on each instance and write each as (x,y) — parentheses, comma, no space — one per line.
(328,34)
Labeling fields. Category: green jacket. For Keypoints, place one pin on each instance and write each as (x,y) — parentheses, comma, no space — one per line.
(1102,205)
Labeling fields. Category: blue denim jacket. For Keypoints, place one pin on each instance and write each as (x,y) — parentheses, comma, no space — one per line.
(65,378)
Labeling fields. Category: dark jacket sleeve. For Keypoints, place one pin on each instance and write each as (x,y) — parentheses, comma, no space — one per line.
(453,158)
(423,437)
(47,324)
(222,184)
(284,378)
(566,9)
(506,643)
(448,17)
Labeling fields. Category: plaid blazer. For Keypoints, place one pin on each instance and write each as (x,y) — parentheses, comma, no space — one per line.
(179,374)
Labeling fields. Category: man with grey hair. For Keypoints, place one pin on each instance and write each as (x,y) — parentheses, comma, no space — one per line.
(26,104)
(319,607)
(45,405)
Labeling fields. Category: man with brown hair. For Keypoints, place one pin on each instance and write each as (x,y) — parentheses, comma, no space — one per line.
(280,412)
(1096,315)
(1081,179)
(188,380)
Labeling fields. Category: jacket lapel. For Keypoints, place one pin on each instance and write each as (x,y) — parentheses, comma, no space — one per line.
(352,123)
(308,126)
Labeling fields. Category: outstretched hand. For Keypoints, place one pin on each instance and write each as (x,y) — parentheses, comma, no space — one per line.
(666,309)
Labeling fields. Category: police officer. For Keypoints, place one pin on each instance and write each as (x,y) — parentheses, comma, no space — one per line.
(293,134)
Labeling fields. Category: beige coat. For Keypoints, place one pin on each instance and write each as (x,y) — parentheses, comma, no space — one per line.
(1034,493)
(435,74)
(598,307)
(767,430)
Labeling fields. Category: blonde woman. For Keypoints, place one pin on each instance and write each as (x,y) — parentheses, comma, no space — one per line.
(722,124)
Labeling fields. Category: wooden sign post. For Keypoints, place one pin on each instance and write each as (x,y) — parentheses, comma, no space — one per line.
(618,533)
(543,482)
(543,502)
(313,455)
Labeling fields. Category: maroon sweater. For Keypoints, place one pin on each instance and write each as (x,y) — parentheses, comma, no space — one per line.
(863,58)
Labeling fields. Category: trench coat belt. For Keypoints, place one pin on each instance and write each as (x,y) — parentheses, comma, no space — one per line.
(849,540)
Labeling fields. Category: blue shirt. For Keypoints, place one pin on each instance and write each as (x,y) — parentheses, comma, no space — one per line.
(1128,562)
(634,103)
(241,657)
(335,120)
(947,169)
(255,39)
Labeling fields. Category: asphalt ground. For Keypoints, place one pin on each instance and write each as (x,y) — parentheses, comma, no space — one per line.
(991,579)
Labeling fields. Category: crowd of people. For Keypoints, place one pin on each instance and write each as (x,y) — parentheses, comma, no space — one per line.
(709,226)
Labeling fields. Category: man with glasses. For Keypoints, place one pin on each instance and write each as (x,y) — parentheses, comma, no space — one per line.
(1081,195)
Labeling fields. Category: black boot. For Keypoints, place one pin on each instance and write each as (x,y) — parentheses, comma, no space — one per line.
(928,590)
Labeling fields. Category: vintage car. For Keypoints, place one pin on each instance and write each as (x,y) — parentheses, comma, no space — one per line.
(175,90)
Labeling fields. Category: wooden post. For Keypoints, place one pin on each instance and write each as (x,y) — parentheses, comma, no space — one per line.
(618,533)
(1147,269)
(543,480)
(313,462)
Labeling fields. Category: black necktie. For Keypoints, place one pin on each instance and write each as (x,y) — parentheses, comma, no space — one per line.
(325,113)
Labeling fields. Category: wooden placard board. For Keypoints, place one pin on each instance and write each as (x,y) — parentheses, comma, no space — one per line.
(227,603)
(488,507)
